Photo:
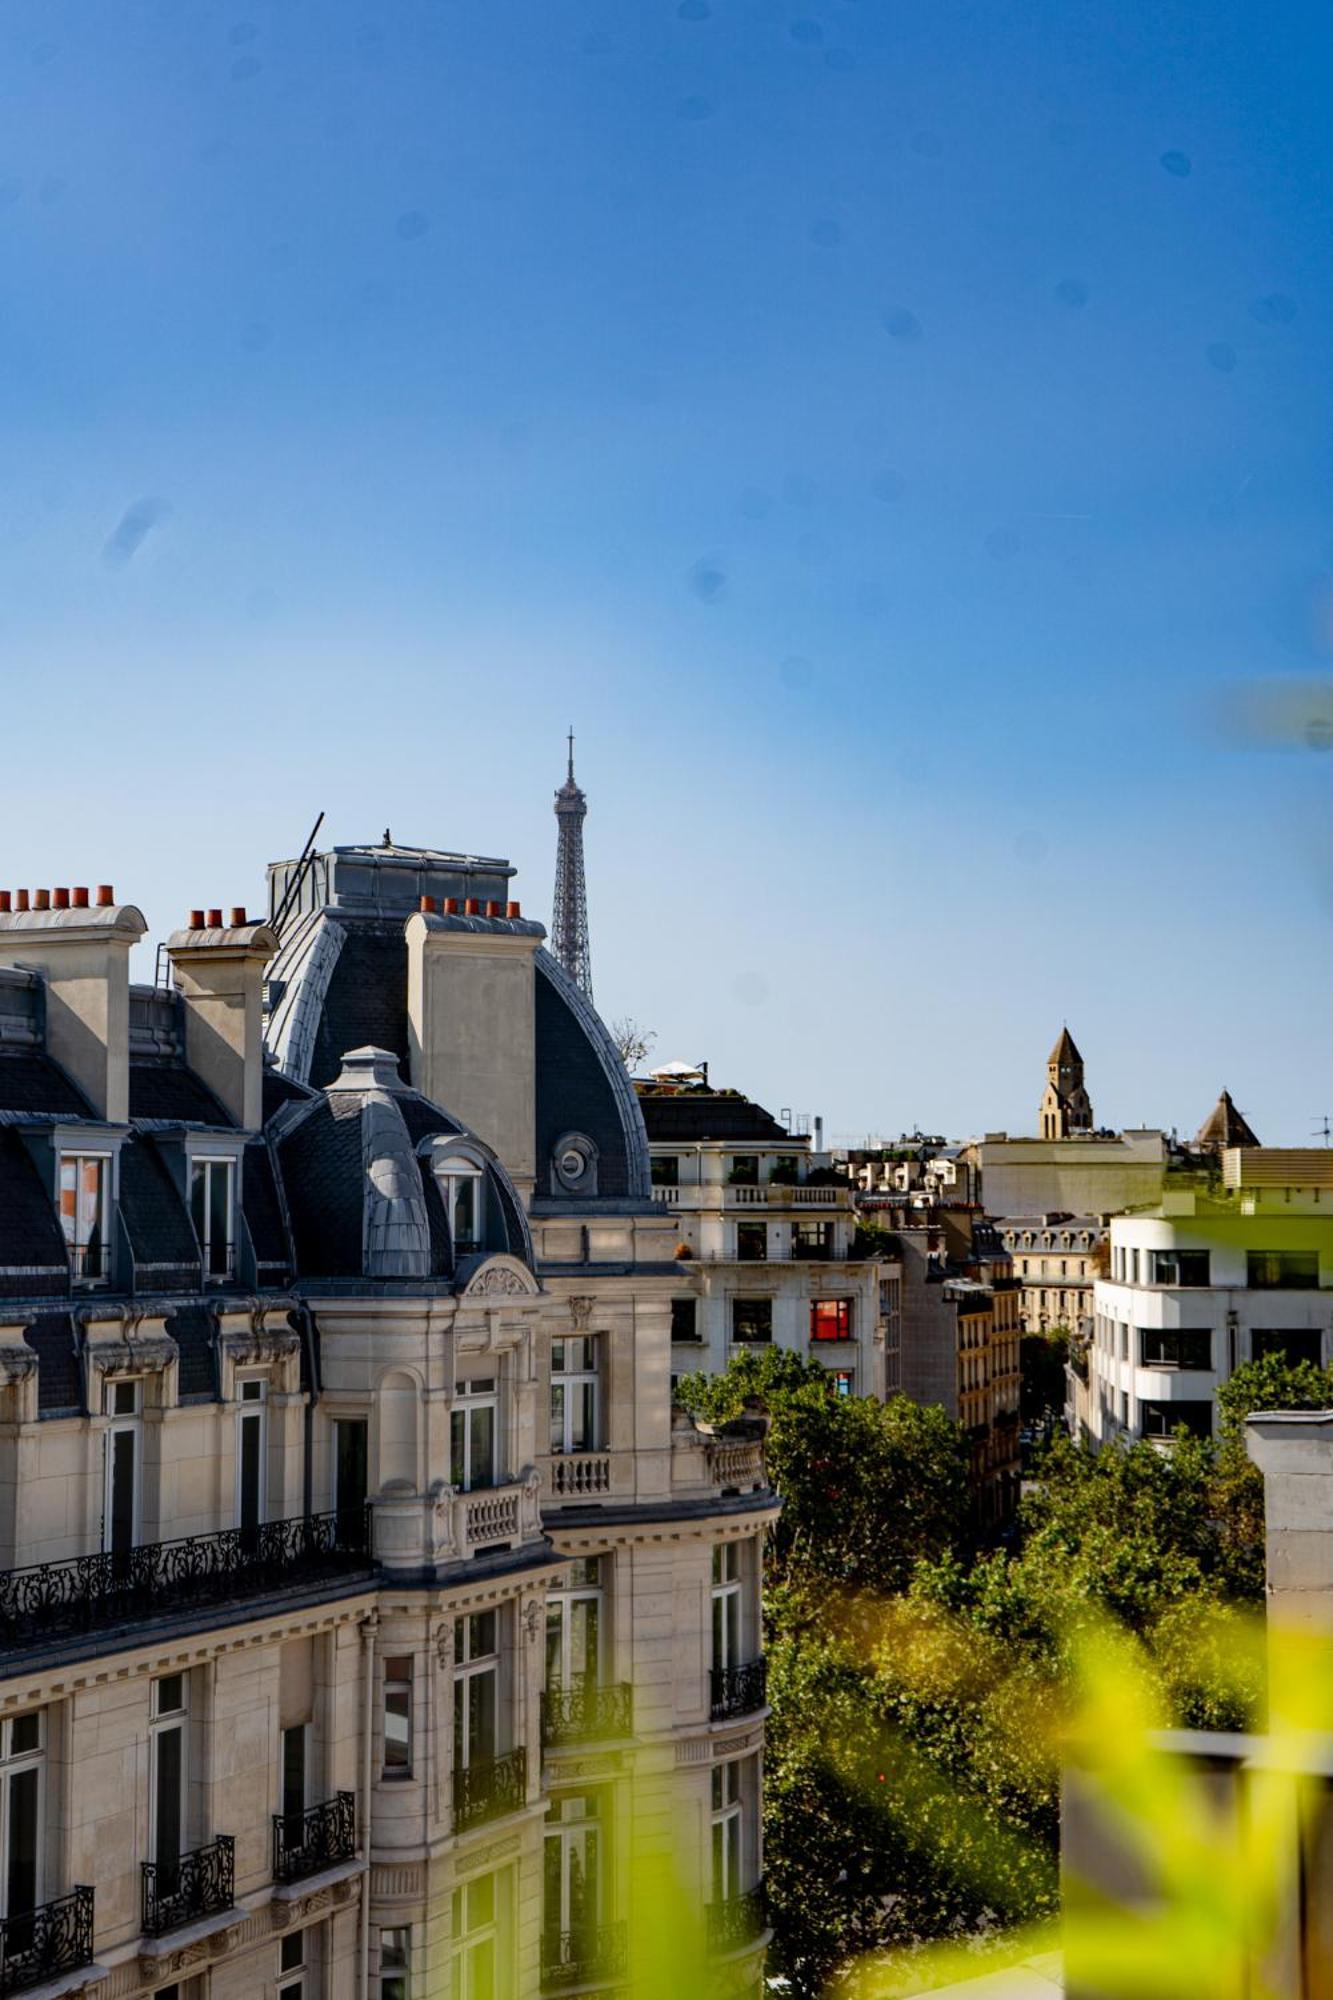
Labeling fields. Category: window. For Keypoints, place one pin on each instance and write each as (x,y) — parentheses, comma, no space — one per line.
(744,1170)
(395,1963)
(251,1453)
(167,1756)
(574,1626)
(476,1966)
(685,1319)
(1177,1348)
(1282,1270)
(121,1502)
(213,1206)
(1163,1419)
(472,1427)
(844,1382)
(476,1690)
(813,1241)
(574,1393)
(295,1791)
(292,1961)
(830,1319)
(573,1871)
(461,1190)
(1178,1267)
(752,1319)
(1294,1345)
(727,1604)
(350,1435)
(751,1242)
(665,1170)
(397,1715)
(1133,1267)
(85,1180)
(726,1831)
(22,1754)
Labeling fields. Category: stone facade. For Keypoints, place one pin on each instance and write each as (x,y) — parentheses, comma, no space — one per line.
(370,1625)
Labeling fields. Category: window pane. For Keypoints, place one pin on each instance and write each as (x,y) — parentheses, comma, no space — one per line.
(397,1727)
(21,1876)
(483,1447)
(169,1745)
(219,1218)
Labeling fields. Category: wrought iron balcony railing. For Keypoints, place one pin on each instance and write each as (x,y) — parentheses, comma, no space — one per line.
(489,1790)
(303,1843)
(580,1957)
(587,1714)
(735,1921)
(198,1885)
(56,1937)
(739,1690)
(90,1593)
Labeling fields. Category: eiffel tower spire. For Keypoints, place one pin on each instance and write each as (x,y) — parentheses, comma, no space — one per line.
(569,920)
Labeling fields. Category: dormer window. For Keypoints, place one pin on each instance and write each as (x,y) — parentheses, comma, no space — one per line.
(213,1206)
(85,1185)
(463,1193)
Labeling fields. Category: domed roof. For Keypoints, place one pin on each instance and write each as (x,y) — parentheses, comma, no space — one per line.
(360,1162)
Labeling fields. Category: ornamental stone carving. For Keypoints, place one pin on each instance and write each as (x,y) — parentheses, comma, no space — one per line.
(580,1311)
(532,1619)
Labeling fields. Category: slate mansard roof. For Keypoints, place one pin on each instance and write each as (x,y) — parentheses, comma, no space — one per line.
(681,1117)
(339,982)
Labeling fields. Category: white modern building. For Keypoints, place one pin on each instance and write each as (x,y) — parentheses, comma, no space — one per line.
(766,1240)
(1211,1276)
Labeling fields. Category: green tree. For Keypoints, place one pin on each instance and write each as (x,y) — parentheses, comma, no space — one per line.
(1042,1358)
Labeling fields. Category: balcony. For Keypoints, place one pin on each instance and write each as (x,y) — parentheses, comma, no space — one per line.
(198,1885)
(588,1714)
(55,1938)
(304,1843)
(585,1956)
(736,1465)
(51,1601)
(578,1475)
(752,1194)
(736,1921)
(490,1790)
(738,1690)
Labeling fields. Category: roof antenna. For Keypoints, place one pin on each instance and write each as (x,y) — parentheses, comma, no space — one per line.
(1324,1130)
(388,838)
(571,753)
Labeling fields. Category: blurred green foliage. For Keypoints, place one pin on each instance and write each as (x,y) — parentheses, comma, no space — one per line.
(921,1684)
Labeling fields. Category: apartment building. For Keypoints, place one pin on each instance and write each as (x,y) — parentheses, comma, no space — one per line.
(1056,1260)
(1216,1273)
(765,1237)
(369,1622)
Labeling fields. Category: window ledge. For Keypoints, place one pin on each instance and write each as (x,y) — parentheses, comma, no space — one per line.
(327,1878)
(68,1983)
(170,1942)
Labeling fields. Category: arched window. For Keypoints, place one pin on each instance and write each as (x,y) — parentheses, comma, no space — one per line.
(463,1191)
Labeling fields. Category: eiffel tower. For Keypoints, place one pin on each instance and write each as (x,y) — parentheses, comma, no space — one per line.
(569,920)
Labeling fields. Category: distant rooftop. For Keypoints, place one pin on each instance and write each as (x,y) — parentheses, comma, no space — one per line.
(687,1113)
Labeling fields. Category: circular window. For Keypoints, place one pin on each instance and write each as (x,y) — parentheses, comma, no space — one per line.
(572,1163)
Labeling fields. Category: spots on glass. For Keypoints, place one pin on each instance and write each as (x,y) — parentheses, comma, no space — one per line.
(694,109)
(926,145)
(1177,163)
(888,484)
(808,33)
(245,69)
(1274,309)
(708,580)
(1221,355)
(411,226)
(1003,544)
(694,10)
(795,671)
(1030,847)
(1071,292)
(51,189)
(900,324)
(826,233)
(132,531)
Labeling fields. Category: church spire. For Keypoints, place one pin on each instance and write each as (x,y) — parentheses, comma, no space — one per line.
(569,918)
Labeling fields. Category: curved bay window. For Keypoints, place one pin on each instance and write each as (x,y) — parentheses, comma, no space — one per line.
(463,1192)
(574,1874)
(573,1628)
(574,1394)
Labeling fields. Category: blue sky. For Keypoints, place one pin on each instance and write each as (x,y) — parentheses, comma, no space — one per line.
(886,432)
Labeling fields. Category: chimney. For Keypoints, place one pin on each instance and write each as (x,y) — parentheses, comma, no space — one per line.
(220,975)
(471,1022)
(84,957)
